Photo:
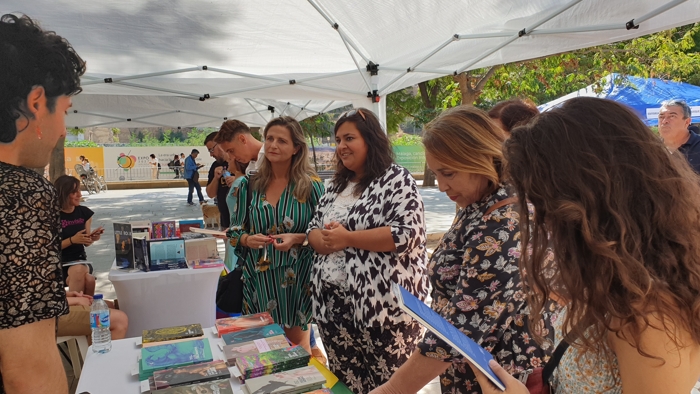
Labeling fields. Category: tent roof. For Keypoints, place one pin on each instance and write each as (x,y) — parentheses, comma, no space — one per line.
(154,52)
(643,95)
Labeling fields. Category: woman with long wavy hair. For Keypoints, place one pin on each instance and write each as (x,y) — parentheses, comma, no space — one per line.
(622,216)
(269,221)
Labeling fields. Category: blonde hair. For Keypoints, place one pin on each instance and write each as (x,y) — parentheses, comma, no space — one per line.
(465,139)
(300,172)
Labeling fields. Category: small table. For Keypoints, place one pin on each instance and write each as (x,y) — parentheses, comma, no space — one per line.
(166,298)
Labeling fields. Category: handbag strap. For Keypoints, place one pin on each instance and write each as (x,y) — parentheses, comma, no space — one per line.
(507,201)
(553,362)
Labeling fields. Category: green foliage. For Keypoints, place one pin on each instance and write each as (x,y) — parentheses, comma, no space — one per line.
(74,131)
(403,139)
(80,144)
(196,136)
(317,126)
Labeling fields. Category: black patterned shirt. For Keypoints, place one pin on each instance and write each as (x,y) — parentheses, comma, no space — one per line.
(31,283)
(477,287)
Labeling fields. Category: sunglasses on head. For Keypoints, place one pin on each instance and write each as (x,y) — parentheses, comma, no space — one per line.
(353,112)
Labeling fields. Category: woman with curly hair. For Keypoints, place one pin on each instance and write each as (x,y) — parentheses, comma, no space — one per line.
(622,217)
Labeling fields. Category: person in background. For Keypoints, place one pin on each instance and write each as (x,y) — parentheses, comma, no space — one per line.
(269,234)
(155,166)
(624,217)
(191,175)
(76,223)
(77,321)
(368,231)
(220,177)
(174,165)
(674,122)
(40,73)
(511,113)
(476,285)
(236,140)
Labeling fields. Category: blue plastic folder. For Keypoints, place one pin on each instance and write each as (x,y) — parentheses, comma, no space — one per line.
(447,332)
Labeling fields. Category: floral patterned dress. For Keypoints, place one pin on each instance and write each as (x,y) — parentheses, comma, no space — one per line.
(280,283)
(477,287)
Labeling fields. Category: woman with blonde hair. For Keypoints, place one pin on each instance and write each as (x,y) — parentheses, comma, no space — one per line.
(476,284)
(269,220)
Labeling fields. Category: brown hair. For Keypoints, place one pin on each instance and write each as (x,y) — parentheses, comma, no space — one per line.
(513,113)
(229,129)
(380,155)
(623,219)
(465,139)
(300,172)
(65,186)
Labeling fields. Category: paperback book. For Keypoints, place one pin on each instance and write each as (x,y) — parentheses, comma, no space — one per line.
(431,320)
(232,352)
(123,246)
(214,387)
(320,391)
(190,374)
(298,380)
(172,355)
(252,334)
(207,263)
(271,362)
(163,230)
(233,324)
(170,333)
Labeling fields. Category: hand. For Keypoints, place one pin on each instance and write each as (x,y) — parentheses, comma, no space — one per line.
(77,294)
(218,172)
(257,241)
(513,385)
(335,237)
(287,241)
(81,238)
(97,234)
(229,180)
(74,301)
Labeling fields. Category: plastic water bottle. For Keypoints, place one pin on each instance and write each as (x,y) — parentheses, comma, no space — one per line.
(99,322)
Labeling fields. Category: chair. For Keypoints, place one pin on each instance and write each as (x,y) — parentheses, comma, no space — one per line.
(82,345)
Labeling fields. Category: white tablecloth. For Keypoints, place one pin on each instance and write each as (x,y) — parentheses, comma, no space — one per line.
(110,373)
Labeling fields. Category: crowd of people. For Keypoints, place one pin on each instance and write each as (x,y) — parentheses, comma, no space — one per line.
(576,230)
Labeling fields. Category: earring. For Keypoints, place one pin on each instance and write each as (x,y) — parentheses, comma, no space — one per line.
(38,132)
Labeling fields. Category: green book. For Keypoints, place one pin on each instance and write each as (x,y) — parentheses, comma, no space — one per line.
(273,361)
(171,333)
(171,355)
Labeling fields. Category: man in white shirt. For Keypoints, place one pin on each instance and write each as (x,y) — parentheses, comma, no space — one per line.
(235,139)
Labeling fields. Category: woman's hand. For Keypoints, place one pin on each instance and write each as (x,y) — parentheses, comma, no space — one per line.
(513,385)
(81,238)
(257,241)
(97,234)
(335,237)
(75,301)
(284,242)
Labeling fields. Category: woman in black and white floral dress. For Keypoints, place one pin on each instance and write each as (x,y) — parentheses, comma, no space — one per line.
(368,231)
(474,270)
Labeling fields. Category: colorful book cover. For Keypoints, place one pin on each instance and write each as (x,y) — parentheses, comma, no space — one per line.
(208,263)
(189,374)
(321,391)
(215,387)
(233,324)
(294,381)
(170,333)
(163,230)
(272,361)
(186,225)
(123,247)
(331,379)
(173,355)
(252,334)
(232,352)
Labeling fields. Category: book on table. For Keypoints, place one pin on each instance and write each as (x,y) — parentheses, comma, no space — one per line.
(207,231)
(240,323)
(123,246)
(186,225)
(206,263)
(271,362)
(431,320)
(163,230)
(252,334)
(321,391)
(190,374)
(232,352)
(299,380)
(213,387)
(172,355)
(171,333)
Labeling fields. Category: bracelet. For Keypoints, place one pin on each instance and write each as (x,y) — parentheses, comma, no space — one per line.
(243,243)
(71,240)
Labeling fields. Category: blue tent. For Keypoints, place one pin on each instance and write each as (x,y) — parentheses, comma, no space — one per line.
(643,95)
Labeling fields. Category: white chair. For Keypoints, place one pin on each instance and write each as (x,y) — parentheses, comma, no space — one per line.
(82,345)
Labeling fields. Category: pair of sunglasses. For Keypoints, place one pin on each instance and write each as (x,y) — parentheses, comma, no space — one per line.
(353,112)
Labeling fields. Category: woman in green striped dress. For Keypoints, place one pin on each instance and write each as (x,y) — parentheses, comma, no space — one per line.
(269,235)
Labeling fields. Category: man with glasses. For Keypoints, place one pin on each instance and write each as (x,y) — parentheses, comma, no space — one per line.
(674,120)
(220,178)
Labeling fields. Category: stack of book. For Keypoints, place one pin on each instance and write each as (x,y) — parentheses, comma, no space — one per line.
(207,263)
(272,362)
(300,380)
(173,355)
(240,323)
(256,346)
(252,334)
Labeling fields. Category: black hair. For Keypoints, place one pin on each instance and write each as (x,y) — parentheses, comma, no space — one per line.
(33,57)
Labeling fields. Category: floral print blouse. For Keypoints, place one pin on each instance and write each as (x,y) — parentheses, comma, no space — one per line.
(476,286)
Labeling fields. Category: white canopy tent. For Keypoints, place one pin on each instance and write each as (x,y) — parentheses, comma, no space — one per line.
(196,63)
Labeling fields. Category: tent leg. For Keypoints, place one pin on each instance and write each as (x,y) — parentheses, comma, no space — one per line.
(380,110)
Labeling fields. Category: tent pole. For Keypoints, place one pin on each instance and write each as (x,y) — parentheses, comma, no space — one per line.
(336,26)
(156,74)
(657,11)
(302,109)
(251,106)
(135,85)
(380,110)
(241,74)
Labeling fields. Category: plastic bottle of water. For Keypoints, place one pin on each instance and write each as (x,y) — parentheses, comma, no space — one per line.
(99,322)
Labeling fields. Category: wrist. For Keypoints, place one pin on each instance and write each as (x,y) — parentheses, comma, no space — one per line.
(244,240)
(70,239)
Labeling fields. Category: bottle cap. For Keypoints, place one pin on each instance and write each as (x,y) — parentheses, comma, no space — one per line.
(97,297)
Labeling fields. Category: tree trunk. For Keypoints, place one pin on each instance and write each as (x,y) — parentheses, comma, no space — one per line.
(57,164)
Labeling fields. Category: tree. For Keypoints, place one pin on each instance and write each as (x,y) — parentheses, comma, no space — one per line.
(317,126)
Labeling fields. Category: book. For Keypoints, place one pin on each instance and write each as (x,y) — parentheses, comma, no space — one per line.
(189,374)
(186,225)
(141,260)
(240,323)
(331,379)
(321,391)
(298,380)
(252,334)
(123,246)
(232,352)
(207,231)
(166,250)
(173,355)
(431,320)
(150,344)
(206,263)
(163,230)
(201,249)
(170,333)
(271,362)
(214,387)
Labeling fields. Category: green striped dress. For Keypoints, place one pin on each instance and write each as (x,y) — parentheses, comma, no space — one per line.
(280,285)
